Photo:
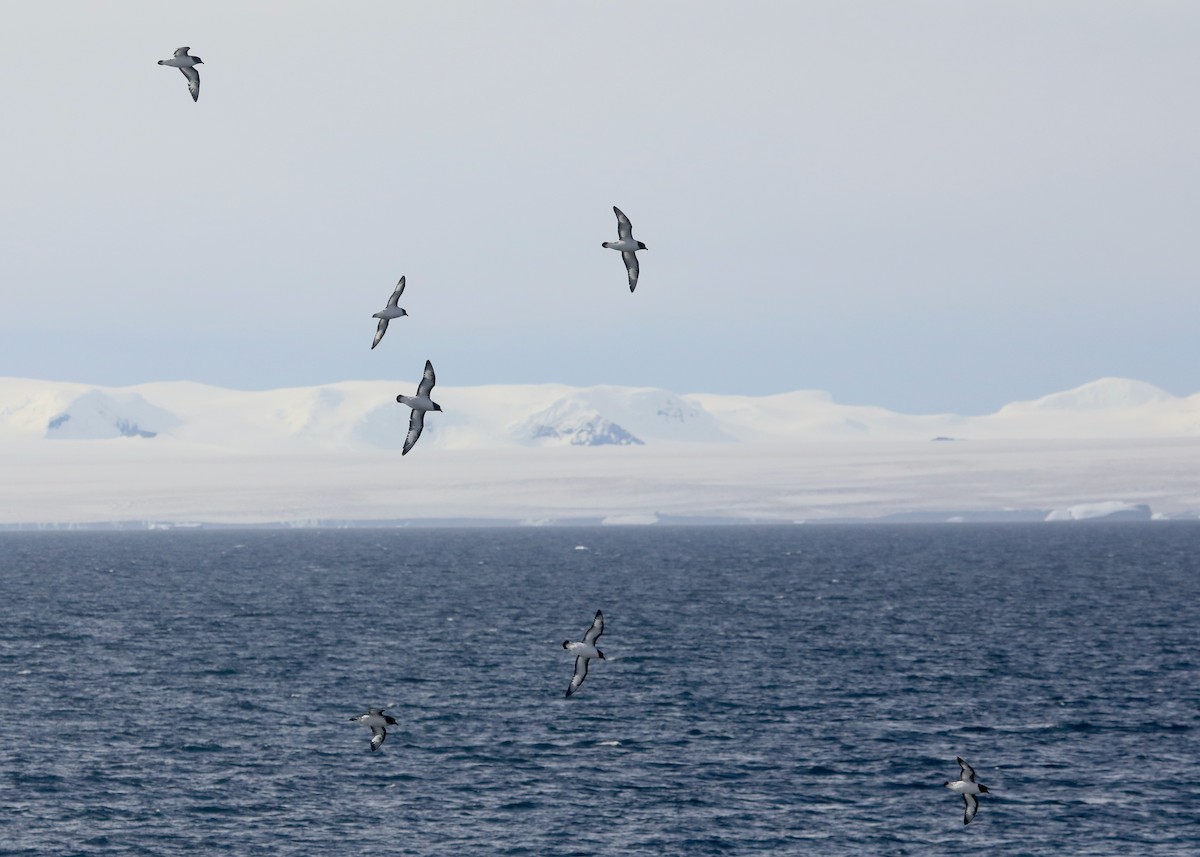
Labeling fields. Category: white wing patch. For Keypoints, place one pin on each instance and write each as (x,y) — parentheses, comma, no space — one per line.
(594,632)
(624,227)
(631,267)
(380,331)
(968,773)
(427,381)
(394,300)
(416,423)
(970,807)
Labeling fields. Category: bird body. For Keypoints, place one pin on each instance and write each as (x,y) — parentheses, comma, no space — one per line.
(390,312)
(182,59)
(625,244)
(582,649)
(419,403)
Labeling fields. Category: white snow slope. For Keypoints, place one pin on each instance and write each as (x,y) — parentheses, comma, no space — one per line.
(183,452)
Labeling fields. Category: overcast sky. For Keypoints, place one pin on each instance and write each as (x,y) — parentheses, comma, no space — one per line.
(931,206)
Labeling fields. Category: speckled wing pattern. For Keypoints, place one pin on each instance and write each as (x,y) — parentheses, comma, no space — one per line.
(624,227)
(580,674)
(631,267)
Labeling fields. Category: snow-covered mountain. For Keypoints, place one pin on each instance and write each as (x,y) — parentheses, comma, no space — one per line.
(70,411)
(622,416)
(361,414)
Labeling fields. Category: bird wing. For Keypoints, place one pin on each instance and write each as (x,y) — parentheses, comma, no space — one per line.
(970,807)
(580,674)
(594,632)
(631,267)
(968,773)
(193,79)
(394,300)
(416,423)
(380,331)
(624,227)
(427,380)
(378,733)
(181,52)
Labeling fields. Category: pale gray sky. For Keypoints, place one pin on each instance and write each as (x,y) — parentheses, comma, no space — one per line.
(924,205)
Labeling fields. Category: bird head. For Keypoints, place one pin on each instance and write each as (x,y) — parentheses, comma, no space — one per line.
(983,790)
(642,246)
(198,60)
(566,643)
(601,655)
(437,407)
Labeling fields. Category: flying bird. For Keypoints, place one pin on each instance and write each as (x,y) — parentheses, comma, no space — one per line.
(392,310)
(378,722)
(968,788)
(627,245)
(187,64)
(585,651)
(419,403)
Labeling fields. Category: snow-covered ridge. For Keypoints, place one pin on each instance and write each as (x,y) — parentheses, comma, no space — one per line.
(364,415)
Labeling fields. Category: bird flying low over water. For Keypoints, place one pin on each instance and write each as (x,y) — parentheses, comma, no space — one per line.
(392,310)
(627,245)
(187,64)
(378,723)
(585,651)
(419,403)
(968,788)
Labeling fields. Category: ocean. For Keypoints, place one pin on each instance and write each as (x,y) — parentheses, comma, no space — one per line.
(767,690)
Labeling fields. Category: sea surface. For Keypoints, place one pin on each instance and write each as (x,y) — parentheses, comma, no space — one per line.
(786,690)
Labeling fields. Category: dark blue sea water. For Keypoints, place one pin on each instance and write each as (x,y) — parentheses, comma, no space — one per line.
(799,690)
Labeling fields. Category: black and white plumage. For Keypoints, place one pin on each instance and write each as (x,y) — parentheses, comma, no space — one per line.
(585,651)
(186,64)
(628,246)
(419,403)
(968,788)
(392,310)
(378,723)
